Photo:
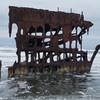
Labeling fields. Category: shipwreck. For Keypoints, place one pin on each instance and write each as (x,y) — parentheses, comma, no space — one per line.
(51,41)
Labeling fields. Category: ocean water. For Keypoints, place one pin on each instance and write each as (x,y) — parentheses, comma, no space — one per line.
(48,87)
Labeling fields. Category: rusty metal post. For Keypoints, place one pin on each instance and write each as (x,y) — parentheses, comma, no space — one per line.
(32,56)
(26,55)
(76,38)
(19,56)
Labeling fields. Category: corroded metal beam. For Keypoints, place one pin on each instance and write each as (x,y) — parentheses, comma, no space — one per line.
(24,18)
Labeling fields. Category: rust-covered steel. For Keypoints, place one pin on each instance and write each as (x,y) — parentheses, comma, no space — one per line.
(51,40)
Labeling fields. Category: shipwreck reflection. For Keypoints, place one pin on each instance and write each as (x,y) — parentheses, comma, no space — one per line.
(57,85)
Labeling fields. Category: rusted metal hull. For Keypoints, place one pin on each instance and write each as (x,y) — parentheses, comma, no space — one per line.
(24,69)
(50,40)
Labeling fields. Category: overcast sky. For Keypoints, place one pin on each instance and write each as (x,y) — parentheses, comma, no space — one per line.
(89,7)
